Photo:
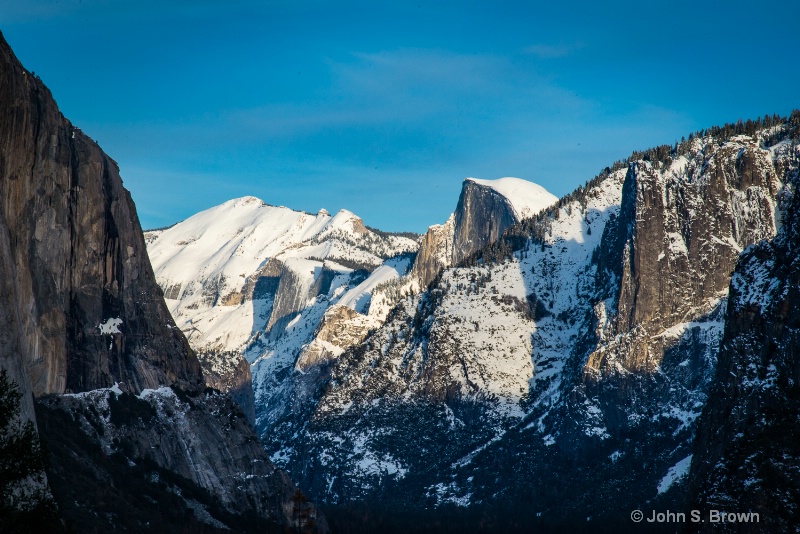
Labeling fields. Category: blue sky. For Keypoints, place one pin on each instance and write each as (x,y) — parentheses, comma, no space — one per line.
(383,108)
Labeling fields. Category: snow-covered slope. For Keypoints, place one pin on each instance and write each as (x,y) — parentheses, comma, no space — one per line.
(242,276)
(463,361)
(539,360)
(205,263)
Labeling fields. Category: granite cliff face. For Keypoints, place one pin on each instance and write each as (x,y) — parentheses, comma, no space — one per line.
(480,218)
(89,311)
(82,312)
(694,220)
(435,252)
(746,456)
(485,209)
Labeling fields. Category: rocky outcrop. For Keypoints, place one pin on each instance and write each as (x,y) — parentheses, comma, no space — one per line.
(679,236)
(340,329)
(230,373)
(435,252)
(693,219)
(82,311)
(300,281)
(480,218)
(485,209)
(747,453)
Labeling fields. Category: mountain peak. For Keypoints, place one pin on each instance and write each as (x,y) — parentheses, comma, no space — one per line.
(526,198)
(245,200)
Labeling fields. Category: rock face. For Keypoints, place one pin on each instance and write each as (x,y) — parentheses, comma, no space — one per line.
(82,311)
(746,456)
(77,256)
(435,252)
(230,373)
(695,225)
(197,444)
(480,218)
(486,208)
(341,327)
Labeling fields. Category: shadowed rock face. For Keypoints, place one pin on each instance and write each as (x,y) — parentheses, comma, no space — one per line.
(197,440)
(480,218)
(75,252)
(81,310)
(435,252)
(679,238)
(746,455)
(695,230)
(230,374)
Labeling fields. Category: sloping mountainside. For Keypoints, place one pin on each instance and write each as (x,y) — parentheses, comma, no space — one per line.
(119,394)
(528,367)
(290,291)
(557,374)
(246,279)
(747,453)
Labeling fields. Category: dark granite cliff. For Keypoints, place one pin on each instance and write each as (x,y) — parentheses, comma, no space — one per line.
(480,218)
(77,256)
(81,311)
(747,452)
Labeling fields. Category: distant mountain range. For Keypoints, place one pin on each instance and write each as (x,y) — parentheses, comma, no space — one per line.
(549,358)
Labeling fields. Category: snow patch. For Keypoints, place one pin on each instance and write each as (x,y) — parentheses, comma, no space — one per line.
(675,473)
(111,326)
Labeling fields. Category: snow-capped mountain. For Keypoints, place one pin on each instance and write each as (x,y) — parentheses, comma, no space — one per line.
(248,279)
(209,264)
(289,292)
(572,354)
(541,354)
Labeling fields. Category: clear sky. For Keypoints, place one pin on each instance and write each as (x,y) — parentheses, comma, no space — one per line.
(384,107)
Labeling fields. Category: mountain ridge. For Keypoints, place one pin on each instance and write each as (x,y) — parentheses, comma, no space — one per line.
(616,296)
